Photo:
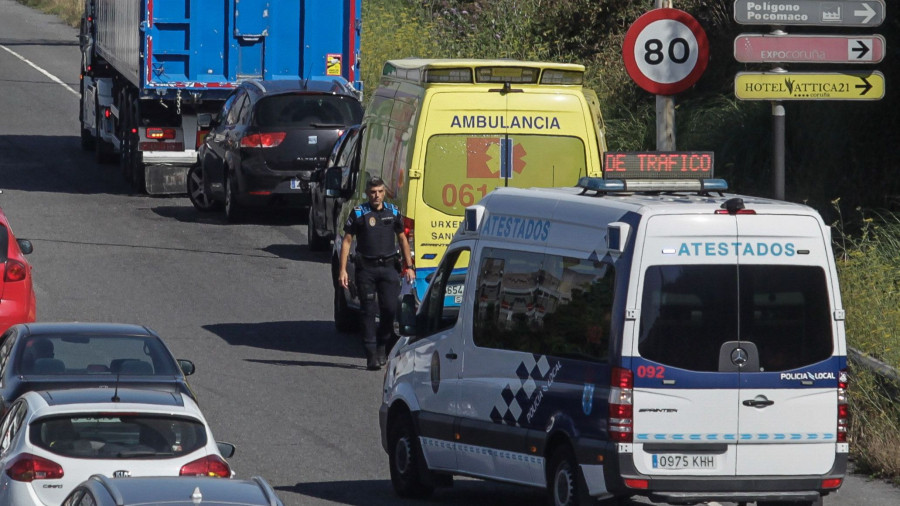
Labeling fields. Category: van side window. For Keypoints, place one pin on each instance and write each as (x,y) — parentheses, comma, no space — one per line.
(441,308)
(544,304)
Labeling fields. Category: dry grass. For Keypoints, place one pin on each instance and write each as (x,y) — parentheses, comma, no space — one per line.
(67,10)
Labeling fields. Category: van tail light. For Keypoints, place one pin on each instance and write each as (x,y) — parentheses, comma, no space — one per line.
(211,465)
(263,140)
(160,134)
(27,467)
(621,409)
(843,418)
(15,271)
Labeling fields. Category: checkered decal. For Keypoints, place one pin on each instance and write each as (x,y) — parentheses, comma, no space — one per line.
(518,395)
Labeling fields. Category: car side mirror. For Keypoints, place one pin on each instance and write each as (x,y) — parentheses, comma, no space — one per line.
(407,315)
(333,177)
(25,245)
(187,367)
(225,449)
(205,120)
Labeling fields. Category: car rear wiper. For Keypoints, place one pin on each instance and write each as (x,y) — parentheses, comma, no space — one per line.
(327,125)
(136,454)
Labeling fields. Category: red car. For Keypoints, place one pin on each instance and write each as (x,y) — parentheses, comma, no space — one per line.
(17,304)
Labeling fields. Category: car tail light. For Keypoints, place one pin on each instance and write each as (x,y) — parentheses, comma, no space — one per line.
(201,134)
(843,421)
(621,418)
(211,465)
(160,134)
(832,483)
(27,467)
(106,112)
(15,271)
(263,140)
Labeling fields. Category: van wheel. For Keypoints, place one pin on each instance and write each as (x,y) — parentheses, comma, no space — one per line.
(406,460)
(565,483)
(344,318)
(315,241)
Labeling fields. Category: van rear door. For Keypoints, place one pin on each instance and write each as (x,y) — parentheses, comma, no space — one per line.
(685,408)
(788,409)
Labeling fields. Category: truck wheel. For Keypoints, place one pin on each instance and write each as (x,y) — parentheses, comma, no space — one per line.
(233,211)
(406,460)
(345,319)
(565,484)
(197,191)
(315,241)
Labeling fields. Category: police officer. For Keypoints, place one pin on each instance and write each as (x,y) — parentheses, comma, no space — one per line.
(375,225)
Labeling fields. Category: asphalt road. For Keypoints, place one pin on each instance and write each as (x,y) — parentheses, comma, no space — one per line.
(248,303)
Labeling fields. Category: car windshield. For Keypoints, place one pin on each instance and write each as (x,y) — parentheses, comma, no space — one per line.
(118,436)
(308,111)
(88,355)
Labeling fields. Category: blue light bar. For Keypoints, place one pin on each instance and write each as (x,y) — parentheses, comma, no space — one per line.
(652,185)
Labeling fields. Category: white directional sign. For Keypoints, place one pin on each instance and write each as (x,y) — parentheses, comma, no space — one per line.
(770,48)
(810,12)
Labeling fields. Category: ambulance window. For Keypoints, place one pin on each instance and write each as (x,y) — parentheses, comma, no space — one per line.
(543,304)
(440,310)
(460,169)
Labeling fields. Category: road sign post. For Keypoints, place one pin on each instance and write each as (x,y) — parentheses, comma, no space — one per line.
(868,13)
(665,52)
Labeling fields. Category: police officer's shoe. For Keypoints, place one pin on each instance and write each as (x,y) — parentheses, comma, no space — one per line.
(373,363)
(381,356)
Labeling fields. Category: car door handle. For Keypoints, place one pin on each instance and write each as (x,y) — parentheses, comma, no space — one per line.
(452,356)
(758,403)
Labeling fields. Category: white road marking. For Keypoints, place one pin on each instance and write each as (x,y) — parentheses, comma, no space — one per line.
(42,71)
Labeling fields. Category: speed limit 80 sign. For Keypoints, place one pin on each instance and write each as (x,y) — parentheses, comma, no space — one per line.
(665,51)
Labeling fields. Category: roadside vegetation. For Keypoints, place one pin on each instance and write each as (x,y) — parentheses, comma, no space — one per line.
(827,158)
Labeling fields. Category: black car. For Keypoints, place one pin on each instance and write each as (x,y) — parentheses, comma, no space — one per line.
(267,140)
(46,356)
(325,208)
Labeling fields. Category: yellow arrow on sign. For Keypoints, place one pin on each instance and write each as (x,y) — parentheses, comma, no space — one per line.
(809,85)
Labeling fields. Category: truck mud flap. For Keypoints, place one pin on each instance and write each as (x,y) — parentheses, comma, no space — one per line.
(166,179)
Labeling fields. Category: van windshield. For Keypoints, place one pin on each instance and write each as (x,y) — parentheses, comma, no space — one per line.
(461,169)
(689,311)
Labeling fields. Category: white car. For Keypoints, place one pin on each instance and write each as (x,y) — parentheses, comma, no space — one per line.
(50,441)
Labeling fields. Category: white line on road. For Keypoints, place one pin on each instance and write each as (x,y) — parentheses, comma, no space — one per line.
(42,71)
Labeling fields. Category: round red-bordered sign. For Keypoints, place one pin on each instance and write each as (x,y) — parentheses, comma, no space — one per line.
(665,51)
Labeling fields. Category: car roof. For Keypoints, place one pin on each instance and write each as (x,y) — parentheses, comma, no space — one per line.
(281,86)
(180,490)
(93,328)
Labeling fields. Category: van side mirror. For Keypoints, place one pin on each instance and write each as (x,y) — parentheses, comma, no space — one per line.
(333,176)
(406,318)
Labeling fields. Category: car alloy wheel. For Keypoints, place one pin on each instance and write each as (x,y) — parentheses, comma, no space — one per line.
(196,190)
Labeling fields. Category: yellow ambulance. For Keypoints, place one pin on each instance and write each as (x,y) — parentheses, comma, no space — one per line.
(443,133)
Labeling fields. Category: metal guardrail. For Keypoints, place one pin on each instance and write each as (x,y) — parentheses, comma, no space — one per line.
(879,368)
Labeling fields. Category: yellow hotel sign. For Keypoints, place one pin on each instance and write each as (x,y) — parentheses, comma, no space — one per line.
(865,85)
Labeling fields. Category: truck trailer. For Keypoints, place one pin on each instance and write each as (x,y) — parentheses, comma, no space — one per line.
(149,69)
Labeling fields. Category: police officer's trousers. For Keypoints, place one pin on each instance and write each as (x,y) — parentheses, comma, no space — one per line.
(379,290)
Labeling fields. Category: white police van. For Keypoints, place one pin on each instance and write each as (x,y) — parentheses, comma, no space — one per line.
(627,337)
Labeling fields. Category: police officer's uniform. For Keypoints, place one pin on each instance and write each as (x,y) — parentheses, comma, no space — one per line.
(377,272)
